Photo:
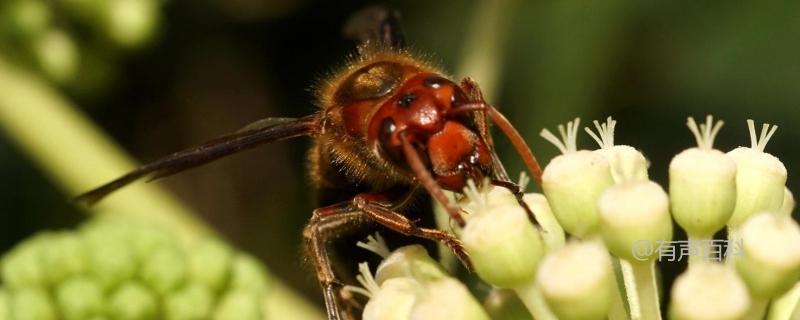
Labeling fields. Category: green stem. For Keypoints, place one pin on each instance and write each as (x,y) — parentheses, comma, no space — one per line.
(698,240)
(641,288)
(783,307)
(481,57)
(758,306)
(77,156)
(734,236)
(618,309)
(532,297)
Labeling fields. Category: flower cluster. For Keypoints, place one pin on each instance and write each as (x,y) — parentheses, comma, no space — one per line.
(43,33)
(113,268)
(581,260)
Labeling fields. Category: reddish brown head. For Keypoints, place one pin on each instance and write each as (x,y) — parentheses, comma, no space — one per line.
(421,111)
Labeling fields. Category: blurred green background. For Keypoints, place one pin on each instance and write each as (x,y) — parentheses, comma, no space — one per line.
(161,76)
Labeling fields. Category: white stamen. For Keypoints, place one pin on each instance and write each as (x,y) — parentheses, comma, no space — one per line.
(569,137)
(376,244)
(705,133)
(476,196)
(767,131)
(605,133)
(368,285)
(523,181)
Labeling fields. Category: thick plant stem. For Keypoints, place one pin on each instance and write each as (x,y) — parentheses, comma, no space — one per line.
(77,156)
(640,285)
(483,48)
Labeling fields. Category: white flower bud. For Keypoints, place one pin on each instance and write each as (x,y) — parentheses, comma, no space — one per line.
(618,156)
(770,261)
(447,298)
(503,244)
(393,301)
(552,233)
(702,184)
(708,291)
(760,177)
(577,281)
(410,261)
(573,181)
(632,212)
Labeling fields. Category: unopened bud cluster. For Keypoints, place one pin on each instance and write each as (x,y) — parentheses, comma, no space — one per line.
(580,261)
(40,30)
(118,269)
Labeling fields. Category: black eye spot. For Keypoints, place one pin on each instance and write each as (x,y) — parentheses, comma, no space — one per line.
(387,127)
(406,100)
(433,82)
(384,137)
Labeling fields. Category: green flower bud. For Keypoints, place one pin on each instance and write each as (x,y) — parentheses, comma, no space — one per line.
(239,304)
(131,23)
(148,238)
(57,55)
(22,267)
(788,203)
(577,281)
(573,181)
(164,270)
(702,183)
(133,301)
(618,156)
(708,291)
(80,298)
(98,273)
(394,300)
(631,213)
(505,304)
(760,177)
(28,18)
(552,233)
(111,262)
(33,304)
(447,298)
(191,302)
(409,261)
(64,256)
(505,248)
(770,261)
(248,274)
(210,263)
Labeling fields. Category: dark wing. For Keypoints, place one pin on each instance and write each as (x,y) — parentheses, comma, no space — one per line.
(257,133)
(376,24)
